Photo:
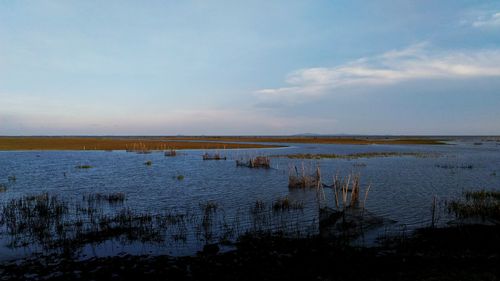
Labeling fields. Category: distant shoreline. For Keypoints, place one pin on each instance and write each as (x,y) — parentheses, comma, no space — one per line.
(113,143)
(193,142)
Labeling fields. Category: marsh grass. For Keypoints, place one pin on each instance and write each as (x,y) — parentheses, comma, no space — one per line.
(53,224)
(170,153)
(304,177)
(285,204)
(215,156)
(111,198)
(455,166)
(84,167)
(130,144)
(483,204)
(255,162)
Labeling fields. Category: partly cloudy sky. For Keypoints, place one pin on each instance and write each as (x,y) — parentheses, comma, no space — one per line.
(249,67)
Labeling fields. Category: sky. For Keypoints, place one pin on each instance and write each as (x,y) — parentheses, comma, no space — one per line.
(380,67)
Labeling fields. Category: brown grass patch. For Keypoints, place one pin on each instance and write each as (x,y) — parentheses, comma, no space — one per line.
(111,143)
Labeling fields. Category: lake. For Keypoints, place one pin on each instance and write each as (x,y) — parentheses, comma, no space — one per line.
(402,188)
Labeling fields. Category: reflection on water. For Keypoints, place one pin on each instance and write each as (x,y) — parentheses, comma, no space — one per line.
(402,188)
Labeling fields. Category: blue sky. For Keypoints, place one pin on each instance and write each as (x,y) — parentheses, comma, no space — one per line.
(249,67)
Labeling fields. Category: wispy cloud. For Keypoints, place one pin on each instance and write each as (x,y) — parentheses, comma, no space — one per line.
(491,20)
(415,62)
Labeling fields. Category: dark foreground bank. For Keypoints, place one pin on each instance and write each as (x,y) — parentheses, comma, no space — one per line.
(454,253)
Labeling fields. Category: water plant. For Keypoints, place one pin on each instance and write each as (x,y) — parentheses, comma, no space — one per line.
(455,166)
(482,204)
(215,156)
(111,198)
(255,162)
(286,204)
(84,167)
(148,163)
(3,188)
(304,179)
(12,178)
(170,153)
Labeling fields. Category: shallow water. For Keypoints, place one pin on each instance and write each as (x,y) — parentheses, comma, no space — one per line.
(402,188)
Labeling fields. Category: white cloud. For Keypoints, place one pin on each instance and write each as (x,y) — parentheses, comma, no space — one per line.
(492,20)
(412,63)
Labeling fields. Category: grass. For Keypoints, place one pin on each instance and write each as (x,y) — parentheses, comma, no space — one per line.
(170,153)
(453,166)
(481,204)
(111,198)
(84,167)
(215,156)
(355,155)
(286,204)
(53,223)
(255,162)
(111,143)
(305,178)
(320,139)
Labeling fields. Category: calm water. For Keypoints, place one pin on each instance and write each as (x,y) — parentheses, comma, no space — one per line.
(402,188)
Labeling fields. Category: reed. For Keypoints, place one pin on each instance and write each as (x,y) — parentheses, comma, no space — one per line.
(454,166)
(304,178)
(346,191)
(482,204)
(286,204)
(215,156)
(84,167)
(255,162)
(111,198)
(170,153)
